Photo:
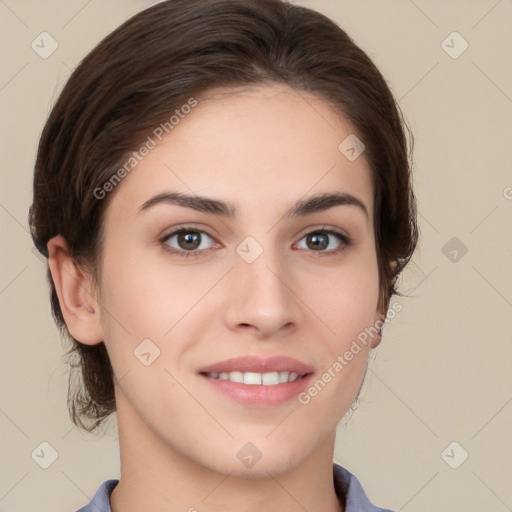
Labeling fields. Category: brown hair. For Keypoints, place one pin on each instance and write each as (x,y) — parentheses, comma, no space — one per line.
(155,62)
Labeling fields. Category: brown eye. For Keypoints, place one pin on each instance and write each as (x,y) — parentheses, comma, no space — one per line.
(189,240)
(317,241)
(186,240)
(325,241)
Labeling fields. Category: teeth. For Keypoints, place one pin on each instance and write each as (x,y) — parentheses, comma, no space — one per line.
(235,376)
(253,378)
(269,379)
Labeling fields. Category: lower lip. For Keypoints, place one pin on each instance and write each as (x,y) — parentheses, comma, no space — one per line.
(260,395)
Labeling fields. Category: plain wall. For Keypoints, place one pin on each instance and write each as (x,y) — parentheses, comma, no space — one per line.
(443,370)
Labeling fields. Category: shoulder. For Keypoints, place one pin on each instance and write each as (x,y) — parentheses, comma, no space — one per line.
(100,502)
(349,489)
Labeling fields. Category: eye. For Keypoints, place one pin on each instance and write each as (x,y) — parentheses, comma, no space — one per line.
(189,241)
(322,239)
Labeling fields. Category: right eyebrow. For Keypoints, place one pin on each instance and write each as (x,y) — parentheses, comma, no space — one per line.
(202,204)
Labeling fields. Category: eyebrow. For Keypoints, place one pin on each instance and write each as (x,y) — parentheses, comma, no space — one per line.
(308,206)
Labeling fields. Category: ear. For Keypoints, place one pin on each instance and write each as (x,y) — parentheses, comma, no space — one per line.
(380,317)
(74,288)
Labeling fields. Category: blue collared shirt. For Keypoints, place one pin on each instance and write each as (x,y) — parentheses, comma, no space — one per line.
(347,486)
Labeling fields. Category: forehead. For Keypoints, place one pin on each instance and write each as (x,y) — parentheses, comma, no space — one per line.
(256,147)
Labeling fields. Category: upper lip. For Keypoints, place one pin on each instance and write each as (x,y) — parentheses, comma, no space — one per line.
(258,365)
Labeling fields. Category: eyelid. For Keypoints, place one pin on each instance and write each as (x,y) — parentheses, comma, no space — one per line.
(326,228)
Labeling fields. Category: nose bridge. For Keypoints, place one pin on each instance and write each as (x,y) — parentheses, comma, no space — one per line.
(260,266)
(261,287)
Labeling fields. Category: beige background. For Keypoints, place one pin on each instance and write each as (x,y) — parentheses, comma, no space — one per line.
(443,371)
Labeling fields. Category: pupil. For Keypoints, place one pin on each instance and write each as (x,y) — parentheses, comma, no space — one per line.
(316,244)
(187,239)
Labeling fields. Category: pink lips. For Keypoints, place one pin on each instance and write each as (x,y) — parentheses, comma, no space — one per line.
(258,365)
(254,395)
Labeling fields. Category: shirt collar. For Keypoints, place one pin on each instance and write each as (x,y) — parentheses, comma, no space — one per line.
(348,489)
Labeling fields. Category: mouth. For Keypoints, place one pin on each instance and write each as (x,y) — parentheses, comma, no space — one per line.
(256,378)
(249,364)
(256,382)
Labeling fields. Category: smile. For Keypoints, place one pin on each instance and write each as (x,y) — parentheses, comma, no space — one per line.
(254,378)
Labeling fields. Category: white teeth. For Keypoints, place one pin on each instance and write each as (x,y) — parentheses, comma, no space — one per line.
(253,378)
(236,376)
(283,377)
(250,377)
(270,379)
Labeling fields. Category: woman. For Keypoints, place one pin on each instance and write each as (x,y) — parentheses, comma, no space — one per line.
(224,195)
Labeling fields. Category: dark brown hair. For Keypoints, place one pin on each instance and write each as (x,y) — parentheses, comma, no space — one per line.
(136,77)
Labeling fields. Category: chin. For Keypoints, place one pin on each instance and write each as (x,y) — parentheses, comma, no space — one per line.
(273,465)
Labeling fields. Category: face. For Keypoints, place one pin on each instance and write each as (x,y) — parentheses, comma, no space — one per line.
(251,277)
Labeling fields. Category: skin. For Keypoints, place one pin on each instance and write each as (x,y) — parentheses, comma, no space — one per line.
(261,148)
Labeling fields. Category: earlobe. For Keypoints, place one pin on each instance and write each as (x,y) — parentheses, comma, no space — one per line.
(74,289)
(379,325)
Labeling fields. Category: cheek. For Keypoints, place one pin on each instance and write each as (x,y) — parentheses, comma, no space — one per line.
(346,298)
(147,298)
(150,301)
(142,307)
(345,302)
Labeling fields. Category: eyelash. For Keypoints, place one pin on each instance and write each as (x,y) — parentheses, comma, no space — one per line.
(345,241)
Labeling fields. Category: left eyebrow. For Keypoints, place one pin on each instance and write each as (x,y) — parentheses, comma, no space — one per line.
(307,206)
(325,201)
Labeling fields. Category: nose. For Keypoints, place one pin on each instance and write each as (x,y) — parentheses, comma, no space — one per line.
(261,296)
